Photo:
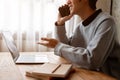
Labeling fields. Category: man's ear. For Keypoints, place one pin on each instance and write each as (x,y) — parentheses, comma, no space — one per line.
(86,0)
(82,0)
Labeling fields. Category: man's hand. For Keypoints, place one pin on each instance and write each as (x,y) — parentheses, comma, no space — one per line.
(62,19)
(48,42)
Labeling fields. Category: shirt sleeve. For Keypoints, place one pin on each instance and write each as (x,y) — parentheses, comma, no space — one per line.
(102,43)
(94,55)
(60,34)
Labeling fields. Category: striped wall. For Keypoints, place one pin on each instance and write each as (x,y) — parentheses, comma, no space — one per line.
(116,14)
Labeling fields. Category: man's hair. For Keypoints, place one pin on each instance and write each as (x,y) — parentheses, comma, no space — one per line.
(92,4)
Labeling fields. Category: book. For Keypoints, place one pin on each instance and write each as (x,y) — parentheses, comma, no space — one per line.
(50,70)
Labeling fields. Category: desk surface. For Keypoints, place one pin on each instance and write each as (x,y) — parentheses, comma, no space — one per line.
(11,71)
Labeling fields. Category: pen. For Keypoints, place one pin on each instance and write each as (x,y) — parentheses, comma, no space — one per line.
(56,68)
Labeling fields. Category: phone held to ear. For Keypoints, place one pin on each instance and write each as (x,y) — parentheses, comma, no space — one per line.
(64,10)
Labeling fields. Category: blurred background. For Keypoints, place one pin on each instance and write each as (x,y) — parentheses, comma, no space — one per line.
(29,20)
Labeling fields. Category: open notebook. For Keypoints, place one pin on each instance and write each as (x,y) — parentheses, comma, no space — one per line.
(21,58)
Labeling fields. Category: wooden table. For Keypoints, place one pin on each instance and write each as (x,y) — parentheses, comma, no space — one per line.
(11,71)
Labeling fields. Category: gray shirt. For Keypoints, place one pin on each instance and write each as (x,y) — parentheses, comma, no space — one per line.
(91,45)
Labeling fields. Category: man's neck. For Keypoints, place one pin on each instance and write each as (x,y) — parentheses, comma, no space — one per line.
(86,13)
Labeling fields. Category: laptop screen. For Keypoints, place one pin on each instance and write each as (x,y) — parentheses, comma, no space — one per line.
(7,36)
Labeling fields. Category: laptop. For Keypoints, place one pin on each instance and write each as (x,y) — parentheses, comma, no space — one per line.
(21,58)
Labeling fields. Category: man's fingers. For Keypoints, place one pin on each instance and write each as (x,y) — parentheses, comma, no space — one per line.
(45,44)
(48,42)
(45,39)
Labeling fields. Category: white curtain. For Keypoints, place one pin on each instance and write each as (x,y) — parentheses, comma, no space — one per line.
(28,21)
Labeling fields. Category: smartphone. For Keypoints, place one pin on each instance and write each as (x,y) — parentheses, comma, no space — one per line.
(64,10)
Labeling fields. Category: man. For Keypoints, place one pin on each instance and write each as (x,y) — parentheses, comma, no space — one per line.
(93,45)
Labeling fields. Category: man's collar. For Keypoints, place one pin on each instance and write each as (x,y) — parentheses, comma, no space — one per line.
(91,18)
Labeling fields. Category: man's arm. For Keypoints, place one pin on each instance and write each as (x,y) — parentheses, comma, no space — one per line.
(94,55)
(60,34)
